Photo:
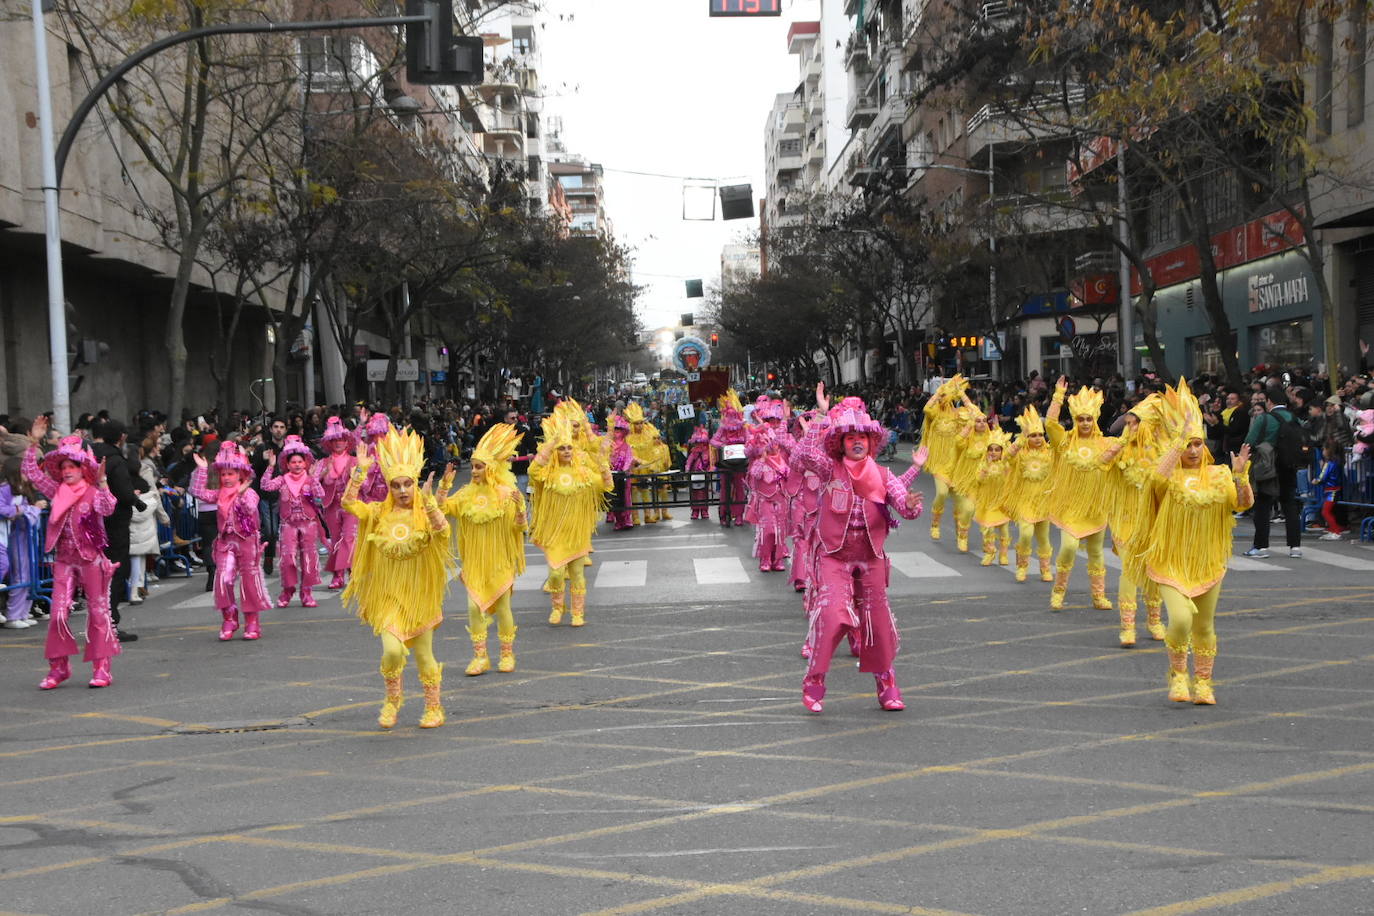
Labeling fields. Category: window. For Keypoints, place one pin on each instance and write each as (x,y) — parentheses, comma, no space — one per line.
(1054,178)
(1163,221)
(1287,343)
(1206,357)
(331,61)
(570,181)
(1219,199)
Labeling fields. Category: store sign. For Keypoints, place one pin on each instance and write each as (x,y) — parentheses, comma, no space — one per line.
(407,370)
(1238,245)
(1265,291)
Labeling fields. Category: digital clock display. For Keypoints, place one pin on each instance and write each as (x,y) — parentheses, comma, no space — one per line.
(746,7)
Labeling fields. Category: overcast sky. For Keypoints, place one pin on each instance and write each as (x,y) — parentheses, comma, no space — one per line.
(659,86)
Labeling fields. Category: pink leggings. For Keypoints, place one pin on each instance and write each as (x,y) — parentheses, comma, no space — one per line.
(237,558)
(852,595)
(94,577)
(300,562)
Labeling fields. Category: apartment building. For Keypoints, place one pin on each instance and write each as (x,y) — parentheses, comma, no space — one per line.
(580,183)
(512,95)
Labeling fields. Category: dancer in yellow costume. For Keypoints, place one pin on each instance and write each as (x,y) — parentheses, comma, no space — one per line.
(939,433)
(663,461)
(1027,495)
(1077,503)
(988,490)
(1131,511)
(571,492)
(643,442)
(490,512)
(1190,541)
(401,567)
(969,450)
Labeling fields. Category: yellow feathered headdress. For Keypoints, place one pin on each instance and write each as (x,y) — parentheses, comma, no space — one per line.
(634,413)
(1180,413)
(558,432)
(1031,422)
(1148,411)
(1087,403)
(573,411)
(401,454)
(731,400)
(496,449)
(954,389)
(998,438)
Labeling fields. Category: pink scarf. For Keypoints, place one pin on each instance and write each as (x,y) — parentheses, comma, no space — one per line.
(227,495)
(775,459)
(867,478)
(338,464)
(67,496)
(295,482)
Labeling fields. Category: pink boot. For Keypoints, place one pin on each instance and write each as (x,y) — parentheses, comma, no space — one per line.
(337,581)
(285,597)
(230,625)
(59,669)
(250,625)
(307,599)
(100,673)
(813,692)
(889,697)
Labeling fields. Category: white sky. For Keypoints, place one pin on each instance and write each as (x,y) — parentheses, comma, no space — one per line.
(660,86)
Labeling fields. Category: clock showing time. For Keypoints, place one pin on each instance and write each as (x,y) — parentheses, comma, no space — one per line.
(746,7)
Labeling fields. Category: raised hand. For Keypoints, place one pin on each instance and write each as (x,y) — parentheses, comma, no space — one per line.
(822,402)
(100,473)
(364,459)
(1240,459)
(39,429)
(200,461)
(446,482)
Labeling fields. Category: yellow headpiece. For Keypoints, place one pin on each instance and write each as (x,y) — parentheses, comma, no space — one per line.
(954,389)
(634,413)
(1087,403)
(998,438)
(1181,414)
(498,446)
(558,432)
(1148,411)
(1031,422)
(401,454)
(572,410)
(731,399)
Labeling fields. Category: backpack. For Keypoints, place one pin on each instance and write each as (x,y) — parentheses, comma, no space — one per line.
(1290,449)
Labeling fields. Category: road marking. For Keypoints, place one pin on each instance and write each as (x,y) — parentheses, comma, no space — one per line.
(720,570)
(1330,558)
(622,574)
(533,578)
(1246,564)
(205,599)
(918,565)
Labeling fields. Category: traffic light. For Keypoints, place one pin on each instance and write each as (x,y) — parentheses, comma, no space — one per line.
(434,55)
(772,377)
(715,338)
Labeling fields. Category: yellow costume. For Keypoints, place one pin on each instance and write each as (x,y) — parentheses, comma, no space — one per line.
(570,489)
(1077,501)
(490,512)
(1190,542)
(401,569)
(969,448)
(939,432)
(662,463)
(1131,511)
(1026,498)
(643,440)
(988,490)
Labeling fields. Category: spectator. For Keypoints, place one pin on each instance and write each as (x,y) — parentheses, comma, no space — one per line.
(108,440)
(1281,489)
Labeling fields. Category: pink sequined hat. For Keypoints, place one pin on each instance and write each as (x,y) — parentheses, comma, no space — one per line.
(294,446)
(851,416)
(72,448)
(334,429)
(378,425)
(699,436)
(621,423)
(231,458)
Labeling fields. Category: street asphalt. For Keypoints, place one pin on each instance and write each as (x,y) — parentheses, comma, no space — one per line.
(659,760)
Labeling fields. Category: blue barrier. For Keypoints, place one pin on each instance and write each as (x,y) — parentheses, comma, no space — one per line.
(1357,490)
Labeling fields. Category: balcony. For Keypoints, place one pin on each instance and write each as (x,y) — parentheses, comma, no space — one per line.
(861,111)
(996,14)
(496,121)
(812,73)
(793,120)
(815,152)
(815,102)
(1095,262)
(1040,118)
(1022,214)
(789,156)
(856,52)
(891,114)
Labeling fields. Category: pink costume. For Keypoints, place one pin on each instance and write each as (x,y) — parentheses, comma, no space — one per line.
(768,449)
(699,462)
(238,546)
(300,522)
(850,570)
(374,487)
(621,458)
(331,473)
(729,440)
(76,535)
(803,488)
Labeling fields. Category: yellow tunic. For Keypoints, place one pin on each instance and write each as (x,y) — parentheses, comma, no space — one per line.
(1131,504)
(401,566)
(970,447)
(988,489)
(940,432)
(644,444)
(1026,497)
(571,497)
(1190,541)
(491,540)
(1078,501)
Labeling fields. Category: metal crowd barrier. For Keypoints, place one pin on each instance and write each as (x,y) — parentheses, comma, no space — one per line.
(1357,490)
(678,486)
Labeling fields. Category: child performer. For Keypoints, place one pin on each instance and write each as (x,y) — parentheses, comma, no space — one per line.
(490,511)
(238,546)
(940,434)
(662,463)
(621,463)
(375,426)
(969,450)
(768,449)
(643,443)
(300,519)
(1190,541)
(1027,494)
(987,493)
(1077,504)
(856,507)
(1131,512)
(569,490)
(75,486)
(728,457)
(698,465)
(332,473)
(401,569)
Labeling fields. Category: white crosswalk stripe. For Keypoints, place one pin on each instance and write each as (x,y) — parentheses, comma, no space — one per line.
(917,565)
(1331,558)
(720,570)
(622,573)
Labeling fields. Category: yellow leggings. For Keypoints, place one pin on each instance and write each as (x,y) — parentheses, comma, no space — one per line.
(1040,531)
(941,495)
(963,510)
(394,653)
(1190,619)
(1068,549)
(574,571)
(1125,593)
(479,621)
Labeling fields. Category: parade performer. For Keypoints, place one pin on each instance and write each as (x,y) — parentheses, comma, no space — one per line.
(1190,541)
(332,473)
(768,449)
(1027,494)
(857,503)
(570,491)
(644,444)
(375,427)
(943,419)
(969,449)
(729,458)
(663,463)
(620,463)
(803,488)
(238,543)
(698,465)
(1078,504)
(301,521)
(490,511)
(74,485)
(401,569)
(1131,511)
(987,493)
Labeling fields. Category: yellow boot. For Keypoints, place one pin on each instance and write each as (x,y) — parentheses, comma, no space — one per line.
(1178,674)
(556,605)
(1022,566)
(395,698)
(961,536)
(481,662)
(1061,587)
(507,663)
(1153,621)
(1097,579)
(989,548)
(433,715)
(1003,543)
(1127,633)
(1204,657)
(935,523)
(1046,570)
(579,609)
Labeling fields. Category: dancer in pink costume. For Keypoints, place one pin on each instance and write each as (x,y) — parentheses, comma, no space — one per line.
(851,571)
(768,449)
(331,473)
(622,460)
(74,485)
(375,426)
(803,489)
(728,456)
(699,463)
(300,519)
(238,545)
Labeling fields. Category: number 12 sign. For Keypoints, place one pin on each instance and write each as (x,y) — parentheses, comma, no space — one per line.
(746,7)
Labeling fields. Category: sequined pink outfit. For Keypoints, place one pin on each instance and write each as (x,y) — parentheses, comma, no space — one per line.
(620,513)
(767,511)
(332,478)
(300,529)
(732,492)
(698,462)
(238,552)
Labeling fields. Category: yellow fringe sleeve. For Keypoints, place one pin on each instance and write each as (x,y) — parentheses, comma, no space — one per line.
(401,569)
(940,435)
(972,446)
(1190,542)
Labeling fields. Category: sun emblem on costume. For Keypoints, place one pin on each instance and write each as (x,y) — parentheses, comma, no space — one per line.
(400,531)
(1084,452)
(565,480)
